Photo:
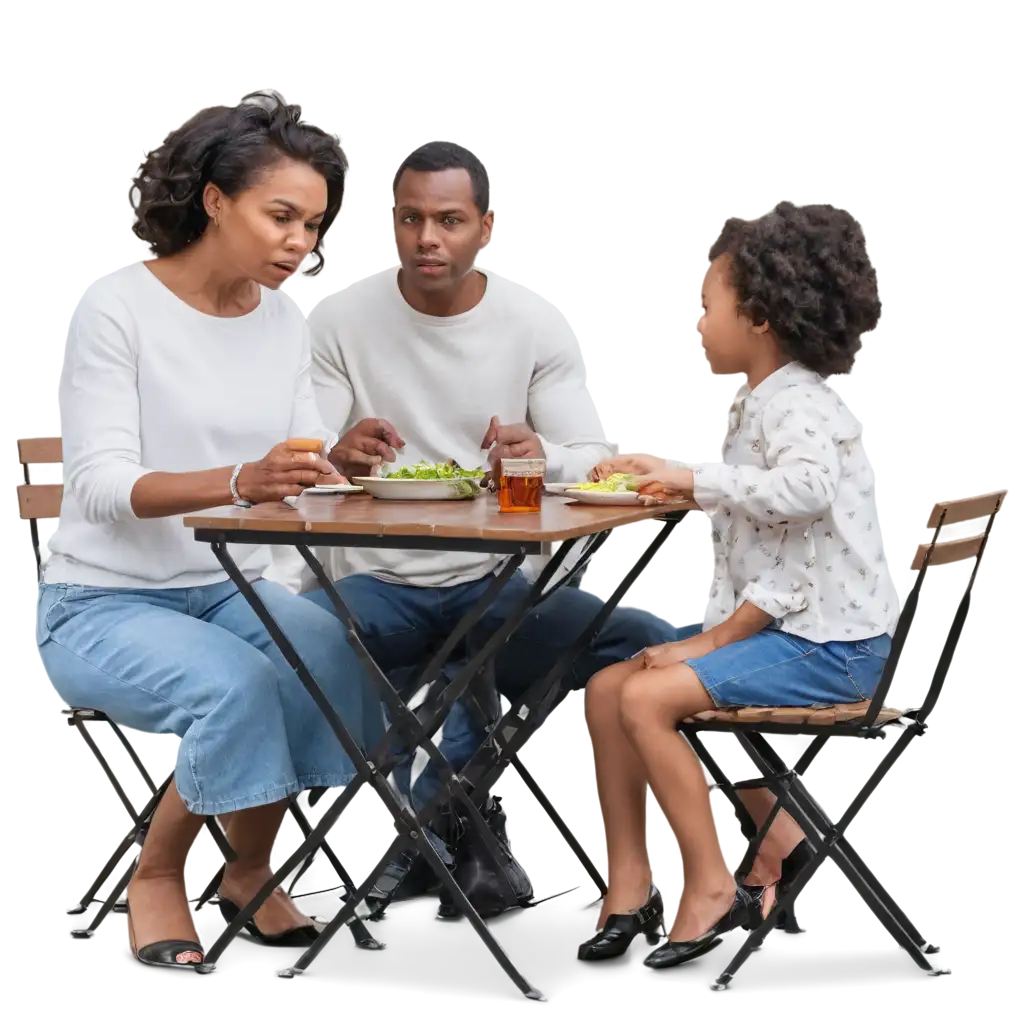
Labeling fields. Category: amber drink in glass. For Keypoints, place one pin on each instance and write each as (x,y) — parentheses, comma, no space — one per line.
(520,484)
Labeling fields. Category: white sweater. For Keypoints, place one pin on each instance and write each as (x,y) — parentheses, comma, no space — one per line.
(439,380)
(152,384)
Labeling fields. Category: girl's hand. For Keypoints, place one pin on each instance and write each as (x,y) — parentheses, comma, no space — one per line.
(640,465)
(665,655)
(665,484)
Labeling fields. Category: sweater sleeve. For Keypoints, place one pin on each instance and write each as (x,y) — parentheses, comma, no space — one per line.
(331,384)
(306,418)
(802,470)
(99,413)
(560,407)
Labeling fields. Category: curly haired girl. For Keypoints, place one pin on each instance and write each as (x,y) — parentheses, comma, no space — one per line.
(801,606)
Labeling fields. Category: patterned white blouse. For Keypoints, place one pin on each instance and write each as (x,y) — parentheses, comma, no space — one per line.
(793,517)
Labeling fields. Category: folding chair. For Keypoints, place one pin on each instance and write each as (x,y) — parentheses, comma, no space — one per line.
(43,501)
(411,730)
(864,720)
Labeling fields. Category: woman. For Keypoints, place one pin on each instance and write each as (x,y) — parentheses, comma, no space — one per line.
(182,378)
(802,606)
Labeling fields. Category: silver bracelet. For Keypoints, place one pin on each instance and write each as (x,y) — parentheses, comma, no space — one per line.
(235,496)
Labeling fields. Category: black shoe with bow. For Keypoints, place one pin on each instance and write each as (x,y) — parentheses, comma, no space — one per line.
(744,910)
(621,929)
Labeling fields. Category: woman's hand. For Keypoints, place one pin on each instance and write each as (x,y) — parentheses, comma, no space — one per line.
(282,473)
(640,465)
(665,655)
(665,484)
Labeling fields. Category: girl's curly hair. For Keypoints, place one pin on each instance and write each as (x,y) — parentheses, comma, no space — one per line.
(229,146)
(805,269)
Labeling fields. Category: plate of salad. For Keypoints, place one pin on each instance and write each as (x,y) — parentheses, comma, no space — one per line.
(618,489)
(424,481)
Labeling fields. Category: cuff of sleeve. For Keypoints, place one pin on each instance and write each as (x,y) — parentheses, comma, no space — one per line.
(554,455)
(127,477)
(708,483)
(330,442)
(771,602)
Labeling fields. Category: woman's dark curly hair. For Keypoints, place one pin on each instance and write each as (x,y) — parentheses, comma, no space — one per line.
(804,269)
(229,146)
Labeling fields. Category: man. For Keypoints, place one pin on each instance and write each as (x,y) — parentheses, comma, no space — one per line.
(440,360)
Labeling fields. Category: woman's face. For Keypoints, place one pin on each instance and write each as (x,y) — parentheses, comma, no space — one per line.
(266,231)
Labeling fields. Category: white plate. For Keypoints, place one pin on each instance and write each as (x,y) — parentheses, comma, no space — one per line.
(334,489)
(556,488)
(419,490)
(603,497)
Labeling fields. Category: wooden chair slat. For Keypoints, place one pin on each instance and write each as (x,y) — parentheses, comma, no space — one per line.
(822,716)
(849,712)
(954,553)
(40,501)
(966,508)
(38,450)
(752,714)
(789,715)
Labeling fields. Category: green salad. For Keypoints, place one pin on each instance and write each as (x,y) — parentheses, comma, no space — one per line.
(450,470)
(617,482)
(465,482)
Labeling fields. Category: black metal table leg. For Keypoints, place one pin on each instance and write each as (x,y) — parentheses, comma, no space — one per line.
(509,733)
(415,730)
(528,712)
(364,768)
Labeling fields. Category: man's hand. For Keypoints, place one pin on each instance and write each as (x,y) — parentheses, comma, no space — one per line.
(361,450)
(665,485)
(517,441)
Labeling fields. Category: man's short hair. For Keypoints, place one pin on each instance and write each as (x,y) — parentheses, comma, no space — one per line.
(442,156)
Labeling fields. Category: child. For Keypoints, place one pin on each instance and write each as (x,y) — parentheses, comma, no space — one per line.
(802,605)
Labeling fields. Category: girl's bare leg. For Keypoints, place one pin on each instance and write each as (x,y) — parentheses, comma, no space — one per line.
(783,837)
(653,702)
(622,789)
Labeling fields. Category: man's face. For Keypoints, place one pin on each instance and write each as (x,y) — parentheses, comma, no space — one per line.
(438,229)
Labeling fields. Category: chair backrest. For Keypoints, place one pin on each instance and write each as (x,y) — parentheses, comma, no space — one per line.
(934,553)
(39,501)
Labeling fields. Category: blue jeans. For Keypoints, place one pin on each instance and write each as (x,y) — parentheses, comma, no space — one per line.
(401,624)
(198,663)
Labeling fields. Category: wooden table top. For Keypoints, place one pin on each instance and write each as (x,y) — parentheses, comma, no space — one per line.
(360,515)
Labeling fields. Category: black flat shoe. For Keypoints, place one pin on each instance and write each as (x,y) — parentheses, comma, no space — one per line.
(406,878)
(743,910)
(299,938)
(621,929)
